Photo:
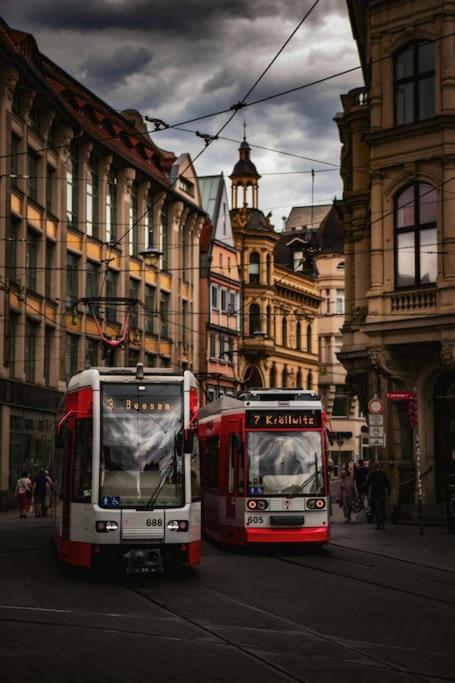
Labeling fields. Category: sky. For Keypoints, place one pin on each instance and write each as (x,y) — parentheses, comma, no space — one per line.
(176,60)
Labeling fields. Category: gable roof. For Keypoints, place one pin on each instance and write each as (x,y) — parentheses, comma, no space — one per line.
(309,217)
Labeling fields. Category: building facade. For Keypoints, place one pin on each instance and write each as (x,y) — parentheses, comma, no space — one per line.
(398,169)
(278,347)
(220,302)
(83,191)
(319,232)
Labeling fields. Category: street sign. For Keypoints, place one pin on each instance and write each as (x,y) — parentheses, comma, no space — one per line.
(400,395)
(377,441)
(375,406)
(375,420)
(376,431)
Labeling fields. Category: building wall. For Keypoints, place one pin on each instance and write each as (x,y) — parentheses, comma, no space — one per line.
(399,337)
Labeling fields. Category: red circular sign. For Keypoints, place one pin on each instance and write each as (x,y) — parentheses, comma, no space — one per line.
(375,406)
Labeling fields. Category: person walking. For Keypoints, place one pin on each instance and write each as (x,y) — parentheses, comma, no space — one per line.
(23,493)
(346,493)
(41,489)
(378,488)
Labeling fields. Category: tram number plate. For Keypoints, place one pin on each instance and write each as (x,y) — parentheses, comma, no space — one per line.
(255,520)
(154,522)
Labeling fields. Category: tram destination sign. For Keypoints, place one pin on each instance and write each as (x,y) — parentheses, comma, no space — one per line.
(281,419)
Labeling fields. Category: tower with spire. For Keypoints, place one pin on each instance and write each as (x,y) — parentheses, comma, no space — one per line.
(244,178)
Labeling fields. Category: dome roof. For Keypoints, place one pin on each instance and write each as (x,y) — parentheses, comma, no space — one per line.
(255,218)
(244,167)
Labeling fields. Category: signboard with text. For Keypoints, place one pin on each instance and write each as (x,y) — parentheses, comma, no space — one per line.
(282,419)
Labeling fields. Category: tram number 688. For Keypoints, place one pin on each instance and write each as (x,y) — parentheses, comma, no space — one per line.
(254,519)
(154,522)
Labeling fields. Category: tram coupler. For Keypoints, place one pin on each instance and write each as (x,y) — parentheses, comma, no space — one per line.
(147,561)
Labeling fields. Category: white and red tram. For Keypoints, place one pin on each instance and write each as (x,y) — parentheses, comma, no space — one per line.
(264,468)
(127,462)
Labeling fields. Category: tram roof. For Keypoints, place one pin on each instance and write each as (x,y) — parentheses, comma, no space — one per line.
(222,403)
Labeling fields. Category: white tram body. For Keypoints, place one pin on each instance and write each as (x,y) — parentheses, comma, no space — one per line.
(127,463)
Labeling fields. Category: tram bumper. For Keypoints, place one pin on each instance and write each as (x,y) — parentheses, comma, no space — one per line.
(146,561)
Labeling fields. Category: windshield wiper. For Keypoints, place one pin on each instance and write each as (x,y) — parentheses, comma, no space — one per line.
(299,487)
(167,470)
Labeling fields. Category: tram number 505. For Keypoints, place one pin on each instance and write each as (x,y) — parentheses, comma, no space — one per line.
(154,522)
(254,520)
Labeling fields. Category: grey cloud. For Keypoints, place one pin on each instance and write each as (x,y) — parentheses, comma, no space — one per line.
(115,67)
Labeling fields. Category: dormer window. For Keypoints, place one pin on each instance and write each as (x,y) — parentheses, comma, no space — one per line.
(414,83)
(298,261)
(186,186)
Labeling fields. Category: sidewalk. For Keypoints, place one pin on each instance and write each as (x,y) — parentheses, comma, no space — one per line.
(436,548)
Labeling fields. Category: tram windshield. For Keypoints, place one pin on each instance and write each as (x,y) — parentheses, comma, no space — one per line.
(286,463)
(141,462)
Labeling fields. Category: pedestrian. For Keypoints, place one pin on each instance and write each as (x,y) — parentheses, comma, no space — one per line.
(40,491)
(23,493)
(361,478)
(50,481)
(378,488)
(346,493)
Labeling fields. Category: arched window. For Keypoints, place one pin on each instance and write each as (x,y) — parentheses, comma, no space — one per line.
(273,376)
(298,336)
(414,83)
(415,236)
(284,377)
(269,321)
(310,381)
(253,268)
(284,331)
(299,380)
(255,319)
(309,344)
(269,269)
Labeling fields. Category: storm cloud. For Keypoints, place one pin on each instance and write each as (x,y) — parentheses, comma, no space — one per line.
(179,61)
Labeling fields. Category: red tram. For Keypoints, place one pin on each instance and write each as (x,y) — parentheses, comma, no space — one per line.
(264,468)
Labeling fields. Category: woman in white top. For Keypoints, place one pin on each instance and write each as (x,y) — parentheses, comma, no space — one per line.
(23,493)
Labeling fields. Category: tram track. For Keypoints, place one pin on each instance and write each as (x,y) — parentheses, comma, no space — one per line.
(368,581)
(371,662)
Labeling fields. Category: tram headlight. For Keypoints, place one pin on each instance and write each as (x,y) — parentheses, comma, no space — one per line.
(257,504)
(104,527)
(316,503)
(177,525)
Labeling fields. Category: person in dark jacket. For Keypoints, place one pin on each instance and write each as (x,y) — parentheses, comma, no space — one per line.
(40,490)
(378,488)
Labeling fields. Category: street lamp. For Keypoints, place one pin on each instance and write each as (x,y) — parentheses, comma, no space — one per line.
(152,257)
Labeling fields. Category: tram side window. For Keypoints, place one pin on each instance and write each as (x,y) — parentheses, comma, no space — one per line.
(195,471)
(211,468)
(82,464)
(237,452)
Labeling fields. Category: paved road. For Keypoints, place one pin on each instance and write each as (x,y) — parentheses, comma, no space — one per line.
(343,615)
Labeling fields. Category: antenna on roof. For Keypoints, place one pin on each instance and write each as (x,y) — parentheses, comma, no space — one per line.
(244,129)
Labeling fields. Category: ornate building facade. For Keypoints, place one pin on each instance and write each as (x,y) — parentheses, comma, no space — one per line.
(83,190)
(278,347)
(398,170)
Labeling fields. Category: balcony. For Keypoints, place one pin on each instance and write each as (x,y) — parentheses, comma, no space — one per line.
(256,346)
(413,300)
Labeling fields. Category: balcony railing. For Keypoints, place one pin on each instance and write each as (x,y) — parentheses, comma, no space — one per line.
(413,300)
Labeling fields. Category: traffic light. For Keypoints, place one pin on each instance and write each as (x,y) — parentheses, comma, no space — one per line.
(413,411)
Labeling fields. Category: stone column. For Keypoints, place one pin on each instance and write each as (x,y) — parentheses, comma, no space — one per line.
(377,234)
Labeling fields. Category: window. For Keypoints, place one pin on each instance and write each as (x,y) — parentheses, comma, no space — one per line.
(71,190)
(269,321)
(255,319)
(253,268)
(34,119)
(111,207)
(186,186)
(299,379)
(185,329)
(340,301)
(414,83)
(341,403)
(148,226)
(91,355)
(284,331)
(269,269)
(32,172)
(164,314)
(340,266)
(284,377)
(30,351)
(222,347)
(32,260)
(214,297)
(134,356)
(72,343)
(49,353)
(223,301)
(310,381)
(150,306)
(213,345)
(163,228)
(231,350)
(72,264)
(309,341)
(298,261)
(50,266)
(298,336)
(50,187)
(111,291)
(91,199)
(15,151)
(11,340)
(92,281)
(11,250)
(231,306)
(133,234)
(415,236)
(134,294)
(82,463)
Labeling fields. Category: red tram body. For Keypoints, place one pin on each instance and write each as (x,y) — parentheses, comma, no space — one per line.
(264,468)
